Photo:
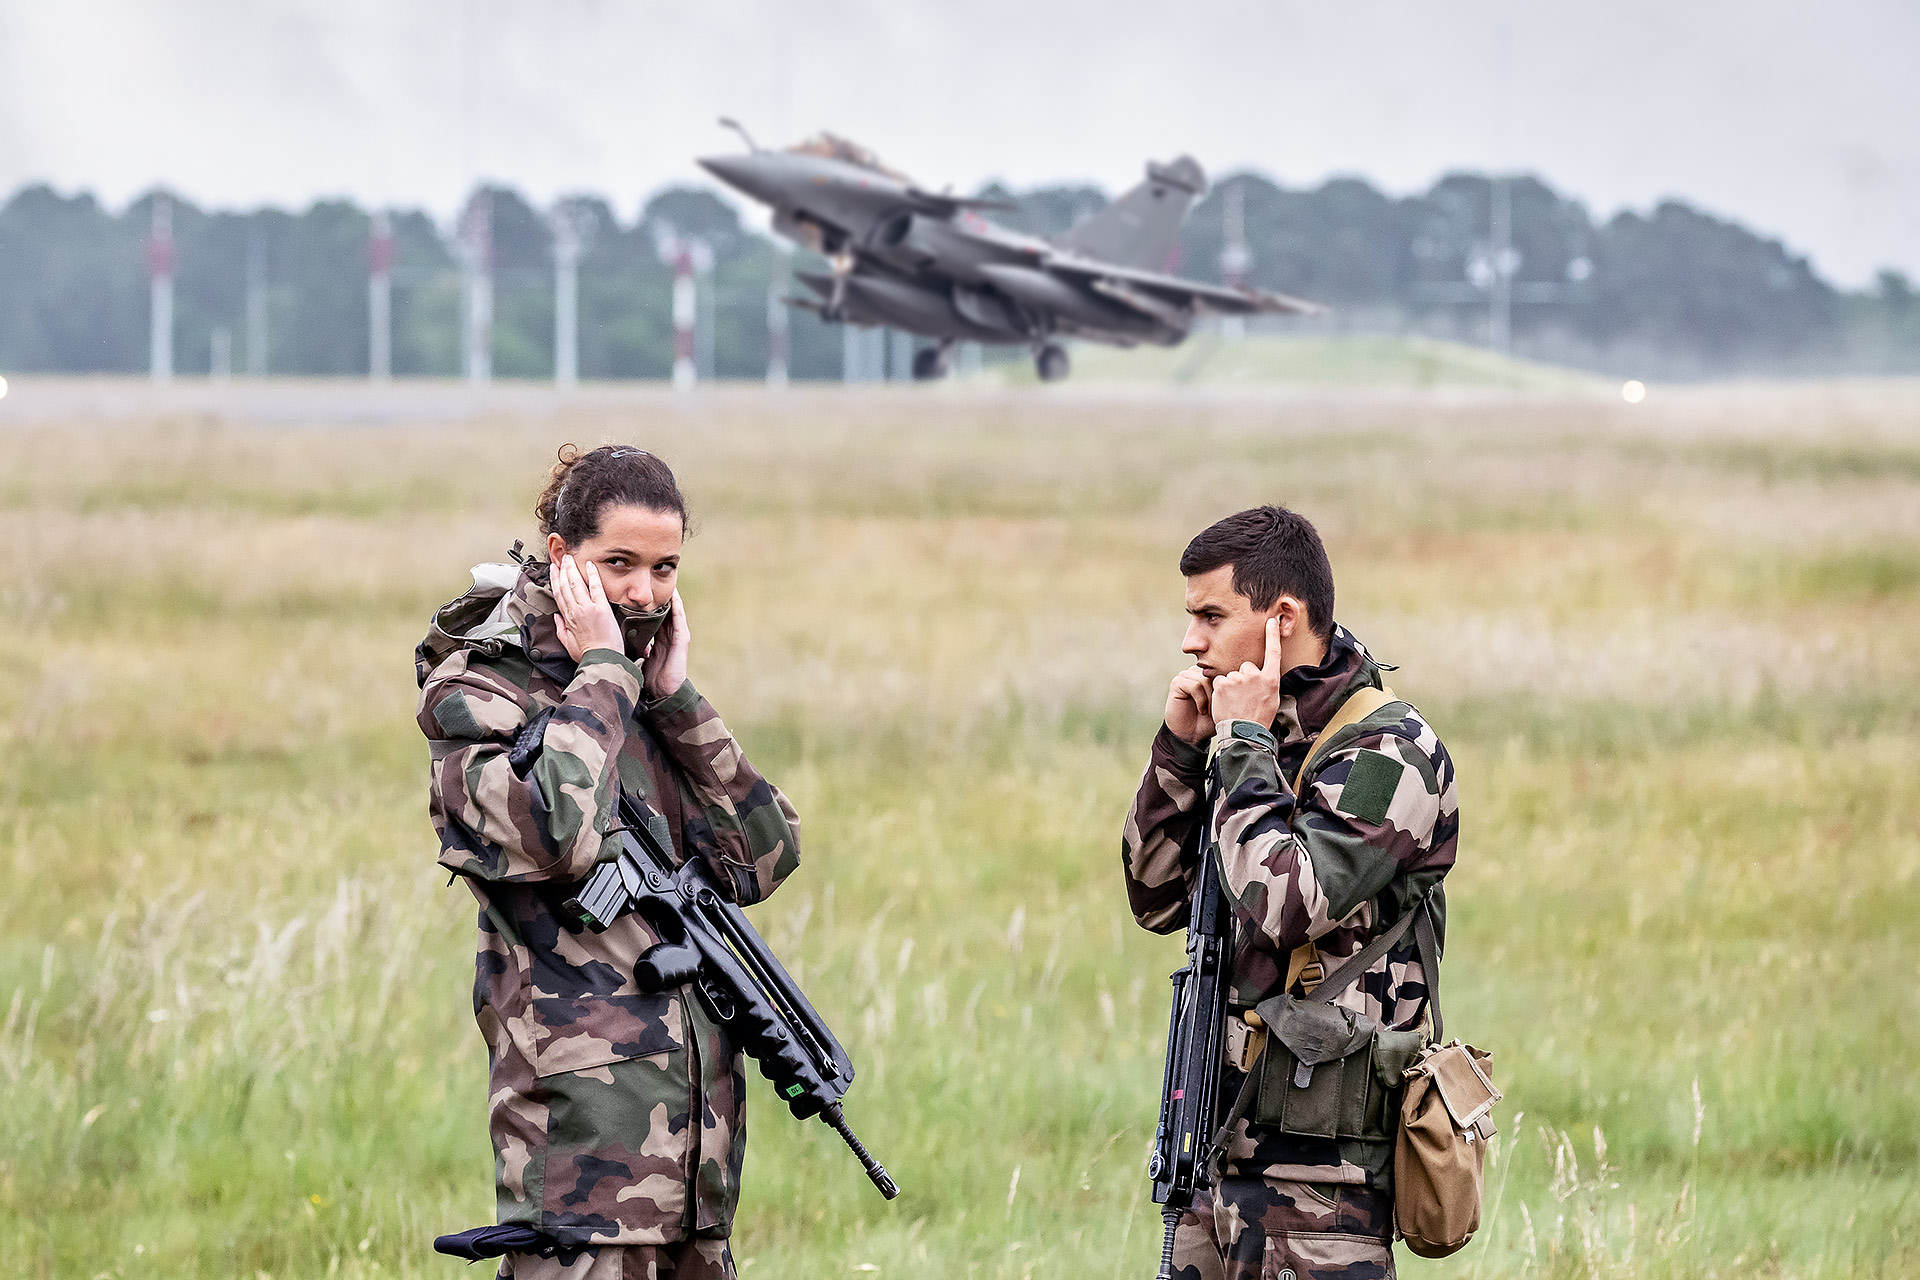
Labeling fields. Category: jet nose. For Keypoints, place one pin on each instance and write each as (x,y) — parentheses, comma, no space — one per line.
(744,173)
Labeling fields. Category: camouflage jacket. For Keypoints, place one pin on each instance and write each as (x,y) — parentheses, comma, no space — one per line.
(1335,866)
(616,1116)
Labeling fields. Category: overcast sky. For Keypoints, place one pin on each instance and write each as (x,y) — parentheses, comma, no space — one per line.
(1797,118)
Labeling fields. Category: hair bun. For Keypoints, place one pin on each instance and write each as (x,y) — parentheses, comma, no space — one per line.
(581,486)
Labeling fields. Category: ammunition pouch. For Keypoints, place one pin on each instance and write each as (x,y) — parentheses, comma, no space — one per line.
(1325,1071)
(1329,1072)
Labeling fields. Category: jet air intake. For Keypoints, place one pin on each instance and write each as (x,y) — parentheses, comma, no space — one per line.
(908,306)
(891,231)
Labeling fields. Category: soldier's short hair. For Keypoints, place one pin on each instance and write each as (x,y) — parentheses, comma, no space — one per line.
(1274,552)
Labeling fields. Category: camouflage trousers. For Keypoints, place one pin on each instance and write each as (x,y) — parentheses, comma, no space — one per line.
(698,1259)
(1263,1229)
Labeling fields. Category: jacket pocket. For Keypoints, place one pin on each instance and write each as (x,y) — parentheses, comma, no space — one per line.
(621,1139)
(587,1011)
(595,1032)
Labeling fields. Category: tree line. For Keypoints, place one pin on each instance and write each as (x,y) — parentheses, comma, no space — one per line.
(1670,292)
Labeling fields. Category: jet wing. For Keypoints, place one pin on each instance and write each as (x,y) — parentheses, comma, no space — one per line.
(1140,288)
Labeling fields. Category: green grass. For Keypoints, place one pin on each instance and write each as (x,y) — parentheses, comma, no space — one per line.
(1679,680)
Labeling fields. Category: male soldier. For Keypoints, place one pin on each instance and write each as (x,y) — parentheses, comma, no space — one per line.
(1335,866)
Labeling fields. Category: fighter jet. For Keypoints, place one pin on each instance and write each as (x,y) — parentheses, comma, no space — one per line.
(933,263)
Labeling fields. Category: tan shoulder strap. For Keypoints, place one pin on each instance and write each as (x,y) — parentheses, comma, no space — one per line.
(1304,962)
(1355,709)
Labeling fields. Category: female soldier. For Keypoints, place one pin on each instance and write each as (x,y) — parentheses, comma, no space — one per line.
(616,1115)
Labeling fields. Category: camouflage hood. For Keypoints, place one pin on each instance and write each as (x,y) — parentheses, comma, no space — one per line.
(511,604)
(477,619)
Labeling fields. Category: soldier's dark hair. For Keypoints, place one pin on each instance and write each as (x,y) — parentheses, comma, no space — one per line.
(1274,552)
(582,486)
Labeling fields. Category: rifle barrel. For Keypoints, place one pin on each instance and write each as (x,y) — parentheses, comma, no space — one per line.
(1171,1216)
(875,1170)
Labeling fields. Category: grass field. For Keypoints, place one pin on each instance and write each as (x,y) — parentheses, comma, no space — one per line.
(1675,649)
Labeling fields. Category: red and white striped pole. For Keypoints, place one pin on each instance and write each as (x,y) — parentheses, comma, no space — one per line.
(160,292)
(380,297)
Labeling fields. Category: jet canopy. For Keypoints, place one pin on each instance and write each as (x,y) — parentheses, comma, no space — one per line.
(832,146)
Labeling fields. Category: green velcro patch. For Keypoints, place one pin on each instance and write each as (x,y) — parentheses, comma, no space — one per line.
(1370,786)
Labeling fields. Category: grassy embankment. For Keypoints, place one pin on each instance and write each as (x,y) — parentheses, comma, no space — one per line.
(1675,651)
(1370,361)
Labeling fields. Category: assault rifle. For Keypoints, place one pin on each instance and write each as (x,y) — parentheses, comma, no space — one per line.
(708,942)
(1196,1033)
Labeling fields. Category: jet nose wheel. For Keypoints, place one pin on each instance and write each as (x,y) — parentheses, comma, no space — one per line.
(1051,362)
(929,363)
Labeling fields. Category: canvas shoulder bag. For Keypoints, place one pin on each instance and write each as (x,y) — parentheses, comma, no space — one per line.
(1446,1118)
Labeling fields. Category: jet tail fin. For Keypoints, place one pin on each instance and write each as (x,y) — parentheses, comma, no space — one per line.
(1139,228)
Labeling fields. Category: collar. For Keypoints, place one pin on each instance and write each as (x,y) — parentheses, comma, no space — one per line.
(1309,696)
(531,608)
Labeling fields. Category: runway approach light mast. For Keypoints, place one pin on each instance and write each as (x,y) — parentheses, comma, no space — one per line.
(777,336)
(474,236)
(380,297)
(686,308)
(570,224)
(160,291)
(1235,257)
(690,257)
(256,298)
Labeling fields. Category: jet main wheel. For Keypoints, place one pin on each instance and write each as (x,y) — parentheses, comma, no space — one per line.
(929,363)
(1051,362)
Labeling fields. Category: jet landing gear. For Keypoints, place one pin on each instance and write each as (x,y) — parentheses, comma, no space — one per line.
(933,363)
(1050,362)
(841,264)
